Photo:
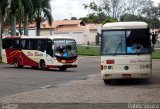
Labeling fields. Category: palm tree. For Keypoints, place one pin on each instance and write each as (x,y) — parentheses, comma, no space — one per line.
(3,6)
(13,10)
(20,16)
(17,6)
(24,7)
(24,13)
(42,9)
(28,9)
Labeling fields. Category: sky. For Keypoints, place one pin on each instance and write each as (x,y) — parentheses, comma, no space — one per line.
(65,9)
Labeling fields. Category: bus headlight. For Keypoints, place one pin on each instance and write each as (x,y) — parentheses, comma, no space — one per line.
(105,67)
(143,66)
(110,67)
(147,66)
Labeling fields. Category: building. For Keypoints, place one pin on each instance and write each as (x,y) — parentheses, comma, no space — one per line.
(92,31)
(31,31)
(81,32)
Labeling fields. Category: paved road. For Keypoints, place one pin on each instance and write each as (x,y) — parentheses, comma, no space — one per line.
(14,80)
(93,90)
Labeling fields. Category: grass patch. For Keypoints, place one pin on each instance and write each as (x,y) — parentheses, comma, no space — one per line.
(156,54)
(95,51)
(88,50)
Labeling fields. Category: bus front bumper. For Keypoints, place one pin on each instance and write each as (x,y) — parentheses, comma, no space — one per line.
(126,75)
(58,66)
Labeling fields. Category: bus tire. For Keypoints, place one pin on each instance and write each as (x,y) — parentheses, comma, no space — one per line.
(16,63)
(42,65)
(106,81)
(34,67)
(146,80)
(62,68)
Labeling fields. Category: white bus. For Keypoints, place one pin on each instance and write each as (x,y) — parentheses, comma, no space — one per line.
(40,51)
(126,51)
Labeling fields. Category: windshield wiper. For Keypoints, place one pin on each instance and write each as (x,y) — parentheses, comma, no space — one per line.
(117,48)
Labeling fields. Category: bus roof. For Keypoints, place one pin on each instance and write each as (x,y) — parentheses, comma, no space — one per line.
(39,37)
(124,25)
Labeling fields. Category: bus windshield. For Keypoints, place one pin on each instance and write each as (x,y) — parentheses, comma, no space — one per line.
(134,41)
(64,48)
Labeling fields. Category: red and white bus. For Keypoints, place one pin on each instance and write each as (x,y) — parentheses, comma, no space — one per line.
(40,52)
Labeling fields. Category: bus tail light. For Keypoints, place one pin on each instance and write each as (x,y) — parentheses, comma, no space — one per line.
(110,61)
(101,67)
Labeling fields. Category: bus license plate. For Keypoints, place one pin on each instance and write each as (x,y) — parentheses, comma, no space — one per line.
(126,75)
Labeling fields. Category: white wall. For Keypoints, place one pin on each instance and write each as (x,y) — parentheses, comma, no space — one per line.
(78,36)
(32,32)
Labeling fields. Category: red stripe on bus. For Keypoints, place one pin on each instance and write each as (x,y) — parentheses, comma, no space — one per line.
(23,59)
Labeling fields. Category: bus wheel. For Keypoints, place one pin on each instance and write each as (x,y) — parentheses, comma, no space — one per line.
(145,80)
(62,68)
(42,65)
(106,81)
(16,63)
(34,67)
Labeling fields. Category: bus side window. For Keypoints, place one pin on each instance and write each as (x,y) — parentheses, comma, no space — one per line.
(23,43)
(43,45)
(9,43)
(39,45)
(49,48)
(31,44)
(16,44)
(34,44)
(26,44)
(3,44)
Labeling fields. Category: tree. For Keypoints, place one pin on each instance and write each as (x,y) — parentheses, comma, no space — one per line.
(109,19)
(42,9)
(153,23)
(135,7)
(132,17)
(73,18)
(112,8)
(94,18)
(23,8)
(28,10)
(20,19)
(13,10)
(96,9)
(3,6)
(100,18)
(138,8)
(152,13)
